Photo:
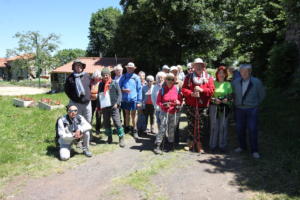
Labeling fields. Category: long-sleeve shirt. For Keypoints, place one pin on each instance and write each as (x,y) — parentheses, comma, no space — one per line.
(132,82)
(154,94)
(170,96)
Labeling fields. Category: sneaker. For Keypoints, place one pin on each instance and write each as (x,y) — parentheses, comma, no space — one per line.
(122,141)
(135,134)
(87,153)
(109,139)
(255,155)
(93,143)
(202,151)
(238,150)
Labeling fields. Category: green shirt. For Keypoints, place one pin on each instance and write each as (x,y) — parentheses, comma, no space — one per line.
(222,89)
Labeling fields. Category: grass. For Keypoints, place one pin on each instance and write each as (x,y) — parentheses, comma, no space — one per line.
(28,83)
(27,136)
(140,180)
(277,174)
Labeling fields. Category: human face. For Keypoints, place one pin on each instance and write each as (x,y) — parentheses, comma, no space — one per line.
(170,81)
(150,82)
(166,70)
(130,70)
(72,111)
(161,79)
(245,73)
(175,72)
(118,72)
(142,77)
(106,77)
(78,68)
(221,76)
(198,68)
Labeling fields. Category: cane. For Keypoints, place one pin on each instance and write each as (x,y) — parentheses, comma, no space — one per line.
(196,140)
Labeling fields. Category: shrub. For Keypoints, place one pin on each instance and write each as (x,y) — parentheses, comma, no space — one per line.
(283,64)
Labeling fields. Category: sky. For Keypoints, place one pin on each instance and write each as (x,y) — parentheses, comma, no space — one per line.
(67,18)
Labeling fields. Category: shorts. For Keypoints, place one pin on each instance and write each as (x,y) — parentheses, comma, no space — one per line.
(128,105)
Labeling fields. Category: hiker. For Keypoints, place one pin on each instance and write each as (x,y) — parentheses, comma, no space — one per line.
(142,76)
(131,88)
(189,68)
(198,87)
(71,127)
(148,108)
(110,100)
(96,79)
(181,74)
(118,70)
(160,78)
(169,100)
(248,94)
(77,88)
(219,111)
(165,69)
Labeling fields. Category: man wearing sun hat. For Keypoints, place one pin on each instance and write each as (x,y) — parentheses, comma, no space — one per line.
(198,88)
(248,94)
(131,88)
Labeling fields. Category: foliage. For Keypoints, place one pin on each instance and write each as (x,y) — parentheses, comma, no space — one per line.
(103,25)
(283,63)
(293,10)
(66,55)
(33,43)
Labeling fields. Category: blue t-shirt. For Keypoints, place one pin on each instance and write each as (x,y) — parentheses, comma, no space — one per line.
(133,83)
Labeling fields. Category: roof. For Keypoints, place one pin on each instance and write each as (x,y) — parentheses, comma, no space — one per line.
(92,64)
(4,61)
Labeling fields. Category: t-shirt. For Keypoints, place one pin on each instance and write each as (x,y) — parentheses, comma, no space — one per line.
(222,89)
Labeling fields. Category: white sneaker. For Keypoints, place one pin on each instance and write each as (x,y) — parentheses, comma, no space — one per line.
(255,155)
(238,150)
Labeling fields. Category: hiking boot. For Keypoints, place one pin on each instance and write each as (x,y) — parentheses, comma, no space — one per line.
(171,146)
(122,141)
(126,129)
(87,153)
(109,139)
(157,149)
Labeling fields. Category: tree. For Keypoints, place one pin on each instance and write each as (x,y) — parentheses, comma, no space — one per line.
(103,25)
(66,55)
(33,43)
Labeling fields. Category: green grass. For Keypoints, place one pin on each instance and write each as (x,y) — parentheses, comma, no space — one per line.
(28,83)
(277,174)
(27,140)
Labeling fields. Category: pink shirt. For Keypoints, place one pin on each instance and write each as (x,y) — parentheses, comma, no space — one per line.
(170,96)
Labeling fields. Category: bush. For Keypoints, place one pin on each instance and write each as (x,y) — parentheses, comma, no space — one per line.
(283,64)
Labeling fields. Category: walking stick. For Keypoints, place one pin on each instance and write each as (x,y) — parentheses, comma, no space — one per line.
(196,140)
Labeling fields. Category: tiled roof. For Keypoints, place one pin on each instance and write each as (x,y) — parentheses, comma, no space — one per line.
(2,62)
(92,64)
(6,60)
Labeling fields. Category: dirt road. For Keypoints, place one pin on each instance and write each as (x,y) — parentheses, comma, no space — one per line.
(18,90)
(136,173)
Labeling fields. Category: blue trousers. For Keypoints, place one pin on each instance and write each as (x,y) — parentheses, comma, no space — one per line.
(246,121)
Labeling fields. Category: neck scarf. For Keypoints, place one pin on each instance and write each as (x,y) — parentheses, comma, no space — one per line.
(106,85)
(79,87)
(73,124)
(202,79)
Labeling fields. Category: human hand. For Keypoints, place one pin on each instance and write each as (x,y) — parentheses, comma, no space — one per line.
(166,104)
(125,90)
(77,134)
(195,94)
(225,100)
(115,106)
(198,89)
(139,105)
(218,101)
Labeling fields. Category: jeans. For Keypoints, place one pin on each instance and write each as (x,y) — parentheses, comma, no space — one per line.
(246,119)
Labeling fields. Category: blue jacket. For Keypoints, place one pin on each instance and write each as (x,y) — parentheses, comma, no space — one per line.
(253,96)
(133,83)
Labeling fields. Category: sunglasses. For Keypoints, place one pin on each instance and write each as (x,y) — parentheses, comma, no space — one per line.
(170,79)
(72,111)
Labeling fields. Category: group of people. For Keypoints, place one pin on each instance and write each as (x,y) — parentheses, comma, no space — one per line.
(172,92)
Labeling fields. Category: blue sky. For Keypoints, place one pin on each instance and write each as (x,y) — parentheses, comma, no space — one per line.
(67,18)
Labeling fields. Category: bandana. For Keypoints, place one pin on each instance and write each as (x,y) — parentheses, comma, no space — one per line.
(202,79)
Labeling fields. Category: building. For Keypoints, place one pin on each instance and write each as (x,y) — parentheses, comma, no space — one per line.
(59,75)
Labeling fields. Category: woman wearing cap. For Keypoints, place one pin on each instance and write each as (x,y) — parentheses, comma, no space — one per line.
(219,110)
(160,78)
(198,87)
(96,79)
(111,88)
(168,99)
(148,108)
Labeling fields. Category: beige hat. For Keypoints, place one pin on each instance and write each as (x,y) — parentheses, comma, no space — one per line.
(131,64)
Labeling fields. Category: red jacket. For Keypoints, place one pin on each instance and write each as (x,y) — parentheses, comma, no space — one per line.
(170,95)
(205,96)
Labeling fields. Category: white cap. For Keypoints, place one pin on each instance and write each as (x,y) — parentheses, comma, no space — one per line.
(174,68)
(130,64)
(189,65)
(198,60)
(166,67)
(245,66)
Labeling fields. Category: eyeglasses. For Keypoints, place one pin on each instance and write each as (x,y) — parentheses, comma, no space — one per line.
(149,81)
(170,79)
(72,111)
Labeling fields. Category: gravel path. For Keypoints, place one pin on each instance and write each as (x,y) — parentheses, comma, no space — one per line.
(17,90)
(193,177)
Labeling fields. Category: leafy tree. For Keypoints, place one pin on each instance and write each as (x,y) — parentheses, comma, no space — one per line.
(66,55)
(33,43)
(103,25)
